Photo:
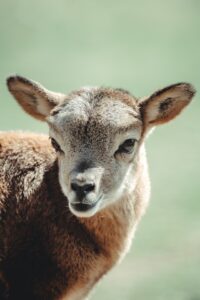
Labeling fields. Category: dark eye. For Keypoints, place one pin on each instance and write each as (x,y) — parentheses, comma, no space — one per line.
(56,146)
(126,147)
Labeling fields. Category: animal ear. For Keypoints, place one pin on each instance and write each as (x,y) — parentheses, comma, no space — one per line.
(164,105)
(33,97)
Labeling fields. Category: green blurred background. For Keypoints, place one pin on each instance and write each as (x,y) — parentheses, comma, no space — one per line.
(140,46)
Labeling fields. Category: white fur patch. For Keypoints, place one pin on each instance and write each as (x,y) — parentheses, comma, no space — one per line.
(43,107)
(76,295)
(152,112)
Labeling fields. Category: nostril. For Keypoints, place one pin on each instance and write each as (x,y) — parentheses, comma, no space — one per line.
(82,190)
(88,188)
(75,187)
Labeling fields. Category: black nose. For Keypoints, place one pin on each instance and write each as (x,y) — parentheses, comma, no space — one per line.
(82,190)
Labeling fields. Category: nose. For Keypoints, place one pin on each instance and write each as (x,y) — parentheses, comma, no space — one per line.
(82,190)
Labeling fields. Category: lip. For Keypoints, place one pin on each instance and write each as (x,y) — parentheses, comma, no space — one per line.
(84,207)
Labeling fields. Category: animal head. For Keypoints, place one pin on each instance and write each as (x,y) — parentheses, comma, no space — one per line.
(97,134)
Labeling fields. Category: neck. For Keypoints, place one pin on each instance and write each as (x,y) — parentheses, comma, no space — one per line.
(113,227)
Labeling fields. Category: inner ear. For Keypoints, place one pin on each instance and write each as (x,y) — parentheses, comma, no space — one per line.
(164,105)
(33,97)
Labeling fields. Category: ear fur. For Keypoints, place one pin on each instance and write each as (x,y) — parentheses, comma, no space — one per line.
(33,97)
(164,105)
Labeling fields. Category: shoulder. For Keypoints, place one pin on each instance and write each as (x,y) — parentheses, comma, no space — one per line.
(25,144)
(24,158)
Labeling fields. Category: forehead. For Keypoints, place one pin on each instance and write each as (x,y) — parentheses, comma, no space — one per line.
(111,108)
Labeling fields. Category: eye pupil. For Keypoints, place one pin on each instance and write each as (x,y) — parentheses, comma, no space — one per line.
(127,146)
(55,145)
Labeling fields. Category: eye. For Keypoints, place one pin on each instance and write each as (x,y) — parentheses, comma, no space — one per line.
(56,146)
(126,147)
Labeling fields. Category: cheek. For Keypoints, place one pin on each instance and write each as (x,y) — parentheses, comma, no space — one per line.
(63,170)
(114,176)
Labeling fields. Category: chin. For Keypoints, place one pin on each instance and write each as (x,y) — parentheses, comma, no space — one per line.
(84,211)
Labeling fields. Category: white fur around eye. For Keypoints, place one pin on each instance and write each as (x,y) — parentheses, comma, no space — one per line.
(121,138)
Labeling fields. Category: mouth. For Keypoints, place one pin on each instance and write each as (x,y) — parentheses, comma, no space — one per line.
(83,206)
(85,209)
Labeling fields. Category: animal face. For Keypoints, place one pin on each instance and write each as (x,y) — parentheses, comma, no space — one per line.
(97,134)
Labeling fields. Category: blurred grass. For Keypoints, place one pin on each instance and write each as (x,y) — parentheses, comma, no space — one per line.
(139,46)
